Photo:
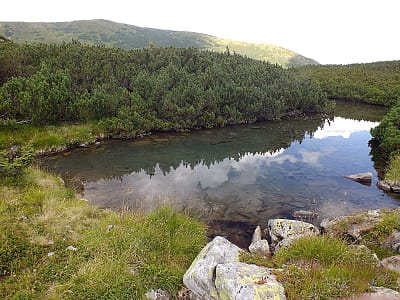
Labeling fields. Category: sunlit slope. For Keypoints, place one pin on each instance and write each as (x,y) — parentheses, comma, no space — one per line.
(125,36)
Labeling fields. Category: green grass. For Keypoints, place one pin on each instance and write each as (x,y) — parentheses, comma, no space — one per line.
(48,137)
(323,267)
(393,174)
(120,255)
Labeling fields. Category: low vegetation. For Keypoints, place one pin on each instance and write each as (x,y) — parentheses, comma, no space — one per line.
(127,93)
(393,174)
(54,245)
(323,267)
(374,83)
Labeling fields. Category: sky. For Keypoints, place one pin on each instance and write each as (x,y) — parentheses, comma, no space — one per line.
(329,31)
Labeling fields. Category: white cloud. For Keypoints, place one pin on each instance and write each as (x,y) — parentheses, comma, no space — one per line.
(343,127)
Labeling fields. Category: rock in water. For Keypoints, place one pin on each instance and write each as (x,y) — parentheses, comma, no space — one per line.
(283,232)
(363,178)
(305,214)
(240,281)
(199,277)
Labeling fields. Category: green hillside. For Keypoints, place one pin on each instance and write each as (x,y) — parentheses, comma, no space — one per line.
(125,36)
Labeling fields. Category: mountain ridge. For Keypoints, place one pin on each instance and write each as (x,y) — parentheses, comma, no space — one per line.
(126,36)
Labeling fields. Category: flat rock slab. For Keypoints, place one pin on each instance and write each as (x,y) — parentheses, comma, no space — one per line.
(199,277)
(241,281)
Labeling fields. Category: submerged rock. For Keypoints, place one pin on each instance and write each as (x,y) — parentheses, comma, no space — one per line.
(305,215)
(199,278)
(283,232)
(240,281)
(363,178)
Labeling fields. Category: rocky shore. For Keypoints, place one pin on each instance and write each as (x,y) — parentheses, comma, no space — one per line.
(218,272)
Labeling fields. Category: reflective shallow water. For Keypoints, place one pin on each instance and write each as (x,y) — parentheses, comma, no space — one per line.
(236,178)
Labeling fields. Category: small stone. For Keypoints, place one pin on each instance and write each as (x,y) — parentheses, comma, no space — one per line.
(374,213)
(97,144)
(392,263)
(260,247)
(256,235)
(50,254)
(84,145)
(395,189)
(383,185)
(158,294)
(393,240)
(71,248)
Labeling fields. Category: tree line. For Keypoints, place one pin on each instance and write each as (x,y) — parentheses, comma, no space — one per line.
(128,92)
(375,83)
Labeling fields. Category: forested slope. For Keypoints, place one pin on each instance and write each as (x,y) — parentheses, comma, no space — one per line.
(375,83)
(112,34)
(136,91)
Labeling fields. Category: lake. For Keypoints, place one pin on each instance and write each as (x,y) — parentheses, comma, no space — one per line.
(236,178)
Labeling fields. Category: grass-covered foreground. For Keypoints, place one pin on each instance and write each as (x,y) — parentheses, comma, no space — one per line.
(54,245)
(324,267)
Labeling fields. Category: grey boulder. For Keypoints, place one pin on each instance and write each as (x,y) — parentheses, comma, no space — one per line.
(199,278)
(283,232)
(240,281)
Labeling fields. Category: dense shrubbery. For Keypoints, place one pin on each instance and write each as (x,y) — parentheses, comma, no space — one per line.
(387,134)
(148,89)
(375,83)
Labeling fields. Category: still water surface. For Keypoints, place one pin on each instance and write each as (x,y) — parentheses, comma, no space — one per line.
(238,177)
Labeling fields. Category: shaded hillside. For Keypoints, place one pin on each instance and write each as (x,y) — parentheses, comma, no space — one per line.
(125,36)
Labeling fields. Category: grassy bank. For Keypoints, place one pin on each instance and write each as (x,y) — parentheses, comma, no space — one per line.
(48,138)
(323,267)
(54,245)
